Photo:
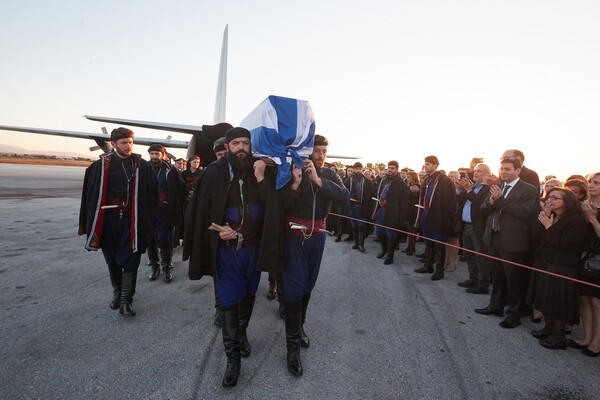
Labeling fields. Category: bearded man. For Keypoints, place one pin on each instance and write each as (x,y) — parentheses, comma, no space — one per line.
(118,208)
(238,194)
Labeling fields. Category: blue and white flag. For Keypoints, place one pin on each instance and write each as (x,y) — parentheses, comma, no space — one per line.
(283,130)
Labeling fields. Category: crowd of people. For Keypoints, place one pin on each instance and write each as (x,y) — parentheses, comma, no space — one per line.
(502,224)
(235,225)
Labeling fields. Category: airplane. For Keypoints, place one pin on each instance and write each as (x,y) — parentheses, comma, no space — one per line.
(203,137)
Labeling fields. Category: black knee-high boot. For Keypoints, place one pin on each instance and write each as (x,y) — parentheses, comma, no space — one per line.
(304,340)
(361,240)
(153,261)
(245,307)
(116,276)
(230,325)
(355,238)
(383,242)
(428,267)
(127,289)
(166,257)
(293,326)
(389,257)
(440,257)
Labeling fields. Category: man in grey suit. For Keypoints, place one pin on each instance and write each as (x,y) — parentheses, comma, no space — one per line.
(507,235)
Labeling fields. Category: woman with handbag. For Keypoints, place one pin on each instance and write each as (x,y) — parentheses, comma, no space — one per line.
(562,239)
(589,296)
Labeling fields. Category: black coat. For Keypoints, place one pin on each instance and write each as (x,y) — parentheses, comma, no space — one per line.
(207,205)
(396,204)
(145,204)
(516,213)
(442,207)
(563,242)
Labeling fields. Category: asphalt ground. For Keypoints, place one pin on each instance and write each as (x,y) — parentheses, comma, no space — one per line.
(377,332)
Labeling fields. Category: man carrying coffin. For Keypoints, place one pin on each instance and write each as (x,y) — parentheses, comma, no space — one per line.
(305,202)
(237,194)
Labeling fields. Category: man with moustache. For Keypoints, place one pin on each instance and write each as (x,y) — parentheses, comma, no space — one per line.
(392,211)
(237,193)
(118,208)
(507,236)
(305,202)
(171,191)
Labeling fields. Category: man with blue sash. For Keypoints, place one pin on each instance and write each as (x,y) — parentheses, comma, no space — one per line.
(305,202)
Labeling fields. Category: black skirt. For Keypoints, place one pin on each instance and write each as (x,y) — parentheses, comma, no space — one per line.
(557,297)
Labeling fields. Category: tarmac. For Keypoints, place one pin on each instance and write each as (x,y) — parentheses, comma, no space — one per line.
(376,331)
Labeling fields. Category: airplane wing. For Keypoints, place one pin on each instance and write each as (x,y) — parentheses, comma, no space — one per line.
(342,157)
(101,139)
(163,126)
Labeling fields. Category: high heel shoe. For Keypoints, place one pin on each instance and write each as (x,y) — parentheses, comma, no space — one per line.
(590,353)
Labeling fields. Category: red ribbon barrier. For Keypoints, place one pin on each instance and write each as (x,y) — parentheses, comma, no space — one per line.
(472,251)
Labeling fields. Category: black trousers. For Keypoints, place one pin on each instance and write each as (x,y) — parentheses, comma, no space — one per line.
(509,281)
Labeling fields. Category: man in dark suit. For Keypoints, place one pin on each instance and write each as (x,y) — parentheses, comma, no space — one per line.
(507,236)
(470,200)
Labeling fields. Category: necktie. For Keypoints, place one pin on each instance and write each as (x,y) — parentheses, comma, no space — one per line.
(496,217)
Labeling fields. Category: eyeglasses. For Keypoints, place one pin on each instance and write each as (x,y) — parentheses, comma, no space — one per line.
(554,198)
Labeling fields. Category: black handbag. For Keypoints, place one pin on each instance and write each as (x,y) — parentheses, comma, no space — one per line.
(591,265)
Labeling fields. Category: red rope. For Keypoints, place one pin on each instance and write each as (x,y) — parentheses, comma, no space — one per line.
(472,251)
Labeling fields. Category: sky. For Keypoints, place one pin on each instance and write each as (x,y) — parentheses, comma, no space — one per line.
(386,79)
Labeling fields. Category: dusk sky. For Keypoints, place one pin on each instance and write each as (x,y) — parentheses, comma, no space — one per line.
(386,79)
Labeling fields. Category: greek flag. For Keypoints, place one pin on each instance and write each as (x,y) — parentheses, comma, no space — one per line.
(283,130)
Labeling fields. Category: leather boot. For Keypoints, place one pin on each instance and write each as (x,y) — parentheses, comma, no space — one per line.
(440,258)
(355,237)
(153,261)
(428,266)
(361,240)
(166,257)
(272,287)
(217,320)
(231,340)
(389,257)
(116,276)
(410,248)
(304,340)
(127,289)
(293,325)
(383,242)
(245,307)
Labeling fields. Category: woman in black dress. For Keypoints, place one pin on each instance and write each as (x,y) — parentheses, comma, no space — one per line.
(562,238)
